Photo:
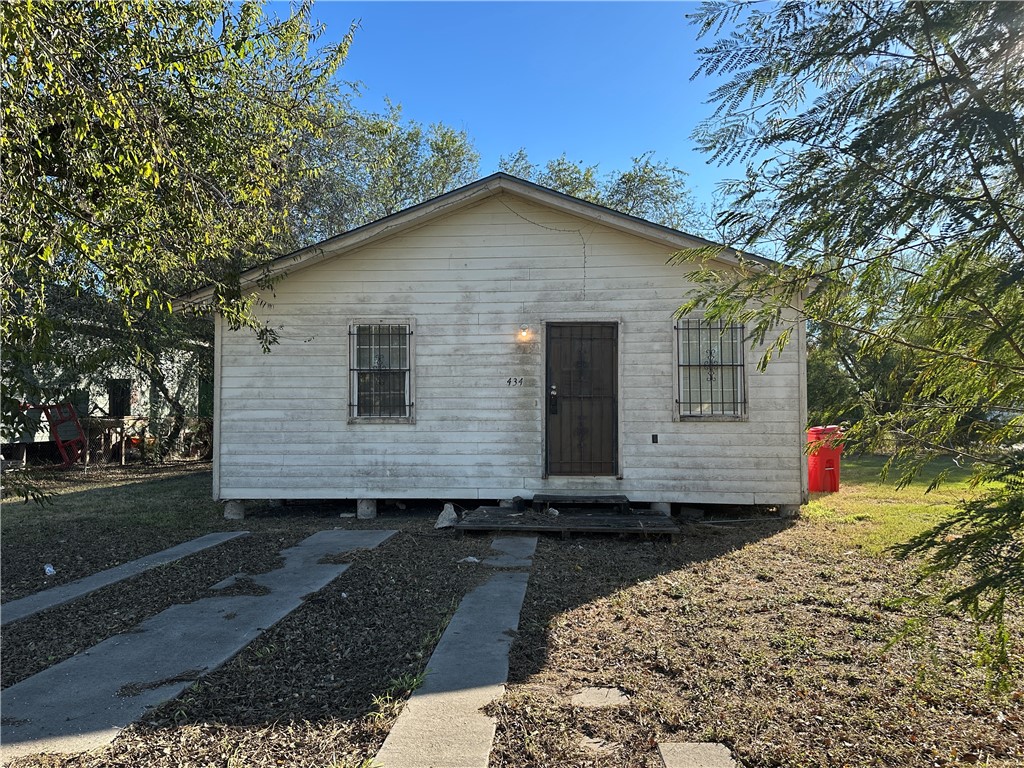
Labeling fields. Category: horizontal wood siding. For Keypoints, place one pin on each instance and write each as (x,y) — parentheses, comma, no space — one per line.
(469,281)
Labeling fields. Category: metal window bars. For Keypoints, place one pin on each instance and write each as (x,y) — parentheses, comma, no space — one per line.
(710,381)
(380,371)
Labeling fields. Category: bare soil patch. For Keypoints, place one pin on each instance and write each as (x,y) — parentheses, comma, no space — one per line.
(772,638)
(766,638)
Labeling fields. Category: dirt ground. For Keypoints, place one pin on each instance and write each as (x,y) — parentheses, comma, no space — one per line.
(773,638)
(763,637)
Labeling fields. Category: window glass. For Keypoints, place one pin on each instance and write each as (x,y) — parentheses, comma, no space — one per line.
(710,377)
(380,373)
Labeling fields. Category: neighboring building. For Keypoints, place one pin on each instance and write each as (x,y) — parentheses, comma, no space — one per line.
(500,340)
(119,402)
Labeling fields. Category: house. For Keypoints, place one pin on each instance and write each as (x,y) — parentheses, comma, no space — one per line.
(501,340)
(116,406)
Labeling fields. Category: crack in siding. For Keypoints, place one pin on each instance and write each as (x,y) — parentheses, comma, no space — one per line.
(579,232)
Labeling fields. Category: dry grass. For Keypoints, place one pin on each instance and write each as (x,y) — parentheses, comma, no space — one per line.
(774,638)
(779,640)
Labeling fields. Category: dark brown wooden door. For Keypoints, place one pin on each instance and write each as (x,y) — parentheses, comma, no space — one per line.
(582,399)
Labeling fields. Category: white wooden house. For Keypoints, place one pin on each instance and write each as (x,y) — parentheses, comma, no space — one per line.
(501,340)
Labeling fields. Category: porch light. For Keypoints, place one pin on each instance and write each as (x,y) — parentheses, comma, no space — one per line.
(524,331)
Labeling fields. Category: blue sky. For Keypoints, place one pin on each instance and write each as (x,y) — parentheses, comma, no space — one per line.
(600,81)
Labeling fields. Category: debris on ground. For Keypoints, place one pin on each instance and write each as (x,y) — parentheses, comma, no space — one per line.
(447,518)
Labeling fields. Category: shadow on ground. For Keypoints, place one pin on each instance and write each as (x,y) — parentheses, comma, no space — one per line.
(591,568)
(324,685)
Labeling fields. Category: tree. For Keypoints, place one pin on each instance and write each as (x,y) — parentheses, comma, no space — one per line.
(831,393)
(88,344)
(400,165)
(651,190)
(845,380)
(147,150)
(884,170)
(370,165)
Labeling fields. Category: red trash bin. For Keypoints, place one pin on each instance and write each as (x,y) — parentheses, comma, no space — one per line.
(823,462)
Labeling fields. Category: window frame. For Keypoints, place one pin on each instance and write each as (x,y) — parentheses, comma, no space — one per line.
(354,371)
(741,403)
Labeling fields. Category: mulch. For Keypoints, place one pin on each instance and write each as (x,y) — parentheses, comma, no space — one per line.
(321,687)
(765,637)
(47,638)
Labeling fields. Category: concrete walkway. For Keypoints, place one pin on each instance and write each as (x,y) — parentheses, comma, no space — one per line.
(65,593)
(695,755)
(83,702)
(442,725)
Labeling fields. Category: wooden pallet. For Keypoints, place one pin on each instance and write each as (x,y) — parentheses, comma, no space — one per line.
(565,501)
(566,524)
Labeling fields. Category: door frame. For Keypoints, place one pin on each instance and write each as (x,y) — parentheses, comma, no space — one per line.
(619,324)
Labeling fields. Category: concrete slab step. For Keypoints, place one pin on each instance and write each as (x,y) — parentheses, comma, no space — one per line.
(695,755)
(83,702)
(65,593)
(513,552)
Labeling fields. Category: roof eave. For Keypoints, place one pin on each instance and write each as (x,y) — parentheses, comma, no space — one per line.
(436,207)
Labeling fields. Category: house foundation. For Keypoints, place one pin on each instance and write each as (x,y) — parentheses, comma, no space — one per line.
(234,510)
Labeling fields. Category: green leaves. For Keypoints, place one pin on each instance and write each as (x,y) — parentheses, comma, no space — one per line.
(889,185)
(146,149)
(650,190)
(359,167)
(894,187)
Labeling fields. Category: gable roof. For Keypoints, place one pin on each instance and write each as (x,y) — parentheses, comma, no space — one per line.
(472,193)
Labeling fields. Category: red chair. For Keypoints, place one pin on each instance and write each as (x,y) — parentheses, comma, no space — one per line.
(66,431)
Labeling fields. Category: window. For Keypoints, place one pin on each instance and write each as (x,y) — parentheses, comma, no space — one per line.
(119,398)
(381,373)
(710,375)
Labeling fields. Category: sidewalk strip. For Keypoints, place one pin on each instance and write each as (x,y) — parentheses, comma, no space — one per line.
(83,702)
(442,725)
(16,610)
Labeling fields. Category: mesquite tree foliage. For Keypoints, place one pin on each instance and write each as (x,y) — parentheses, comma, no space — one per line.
(884,152)
(650,189)
(147,149)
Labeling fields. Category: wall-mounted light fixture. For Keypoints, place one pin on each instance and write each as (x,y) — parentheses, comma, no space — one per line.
(524,331)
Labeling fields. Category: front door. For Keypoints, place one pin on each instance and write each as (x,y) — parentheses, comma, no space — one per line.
(582,399)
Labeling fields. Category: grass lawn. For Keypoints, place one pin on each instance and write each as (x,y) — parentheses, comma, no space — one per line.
(869,512)
(773,638)
(101,517)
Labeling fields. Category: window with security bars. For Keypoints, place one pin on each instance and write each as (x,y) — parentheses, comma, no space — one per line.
(380,373)
(710,376)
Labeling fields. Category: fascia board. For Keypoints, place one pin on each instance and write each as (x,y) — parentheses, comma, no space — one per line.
(421,214)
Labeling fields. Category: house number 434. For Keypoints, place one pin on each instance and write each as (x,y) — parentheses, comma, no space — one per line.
(514,381)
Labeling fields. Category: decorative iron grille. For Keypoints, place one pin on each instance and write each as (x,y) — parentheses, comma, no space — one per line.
(380,371)
(582,414)
(711,381)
